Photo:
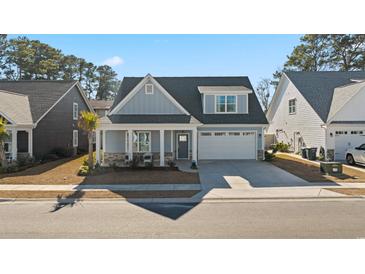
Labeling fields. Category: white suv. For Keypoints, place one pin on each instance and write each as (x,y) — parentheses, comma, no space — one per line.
(356,155)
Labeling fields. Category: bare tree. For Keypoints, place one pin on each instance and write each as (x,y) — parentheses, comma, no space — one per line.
(263,93)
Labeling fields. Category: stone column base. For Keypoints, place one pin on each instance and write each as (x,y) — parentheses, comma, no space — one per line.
(330,155)
(260,154)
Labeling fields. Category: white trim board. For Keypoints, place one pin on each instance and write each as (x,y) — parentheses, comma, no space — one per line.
(134,91)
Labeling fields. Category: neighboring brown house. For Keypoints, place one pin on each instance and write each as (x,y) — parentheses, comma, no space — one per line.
(101,107)
(42,116)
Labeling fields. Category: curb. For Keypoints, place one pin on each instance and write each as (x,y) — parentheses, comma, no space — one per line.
(179,200)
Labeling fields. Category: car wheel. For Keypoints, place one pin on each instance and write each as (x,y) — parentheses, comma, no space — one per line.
(350,159)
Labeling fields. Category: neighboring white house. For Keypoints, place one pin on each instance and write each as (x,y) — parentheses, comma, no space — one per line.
(173,118)
(319,109)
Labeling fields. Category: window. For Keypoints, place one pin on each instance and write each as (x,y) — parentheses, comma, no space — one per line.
(226,104)
(205,134)
(7,149)
(219,134)
(362,147)
(75,111)
(234,134)
(75,138)
(292,106)
(183,138)
(148,89)
(143,141)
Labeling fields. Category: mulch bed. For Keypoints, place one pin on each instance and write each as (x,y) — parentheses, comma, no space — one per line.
(64,172)
(311,173)
(97,194)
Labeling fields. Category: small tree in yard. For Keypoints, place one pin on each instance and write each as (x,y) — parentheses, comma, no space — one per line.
(3,136)
(88,122)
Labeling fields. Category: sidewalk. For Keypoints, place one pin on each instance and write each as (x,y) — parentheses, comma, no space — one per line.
(215,194)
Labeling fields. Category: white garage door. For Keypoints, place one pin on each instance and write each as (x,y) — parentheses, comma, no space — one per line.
(345,139)
(227,145)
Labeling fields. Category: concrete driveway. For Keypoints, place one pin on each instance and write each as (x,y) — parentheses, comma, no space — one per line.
(245,174)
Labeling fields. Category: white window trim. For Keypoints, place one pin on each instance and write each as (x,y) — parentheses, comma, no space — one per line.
(295,106)
(75,141)
(225,104)
(150,144)
(75,106)
(146,88)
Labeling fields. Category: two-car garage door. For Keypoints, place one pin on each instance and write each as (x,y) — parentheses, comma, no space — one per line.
(227,145)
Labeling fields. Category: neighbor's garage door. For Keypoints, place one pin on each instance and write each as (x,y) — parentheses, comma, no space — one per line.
(345,139)
(227,145)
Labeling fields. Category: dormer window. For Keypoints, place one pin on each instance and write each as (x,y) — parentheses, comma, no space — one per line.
(148,89)
(225,103)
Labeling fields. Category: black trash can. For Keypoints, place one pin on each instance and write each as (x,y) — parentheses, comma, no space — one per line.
(312,153)
(304,153)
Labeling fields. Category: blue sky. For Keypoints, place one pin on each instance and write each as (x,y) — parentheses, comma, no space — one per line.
(256,56)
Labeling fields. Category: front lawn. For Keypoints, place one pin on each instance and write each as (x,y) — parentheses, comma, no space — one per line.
(106,194)
(64,171)
(311,173)
(349,191)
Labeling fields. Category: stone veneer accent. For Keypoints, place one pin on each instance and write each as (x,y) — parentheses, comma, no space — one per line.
(114,158)
(260,154)
(330,155)
(119,158)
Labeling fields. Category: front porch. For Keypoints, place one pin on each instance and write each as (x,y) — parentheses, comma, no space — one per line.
(121,144)
(19,143)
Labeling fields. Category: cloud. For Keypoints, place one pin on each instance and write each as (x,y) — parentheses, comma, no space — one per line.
(113,61)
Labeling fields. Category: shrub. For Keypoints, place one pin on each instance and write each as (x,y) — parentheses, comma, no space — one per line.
(282,147)
(50,157)
(23,161)
(62,152)
(194,165)
(269,156)
(171,163)
(83,171)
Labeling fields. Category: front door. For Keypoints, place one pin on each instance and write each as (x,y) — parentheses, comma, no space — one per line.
(183,145)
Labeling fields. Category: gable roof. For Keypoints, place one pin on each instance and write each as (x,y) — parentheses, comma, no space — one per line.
(185,91)
(101,104)
(15,108)
(42,94)
(342,95)
(318,87)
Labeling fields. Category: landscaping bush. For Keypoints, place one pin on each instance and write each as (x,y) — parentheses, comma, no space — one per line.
(50,157)
(269,156)
(83,171)
(194,165)
(24,160)
(281,146)
(62,152)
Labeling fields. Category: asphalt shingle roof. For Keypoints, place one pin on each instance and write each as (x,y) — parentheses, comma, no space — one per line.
(163,119)
(101,104)
(185,92)
(318,87)
(42,94)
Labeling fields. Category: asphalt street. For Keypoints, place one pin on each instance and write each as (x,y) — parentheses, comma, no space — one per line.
(244,219)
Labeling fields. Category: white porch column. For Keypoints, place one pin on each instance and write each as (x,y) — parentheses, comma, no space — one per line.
(130,144)
(97,147)
(14,144)
(162,147)
(194,145)
(30,142)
